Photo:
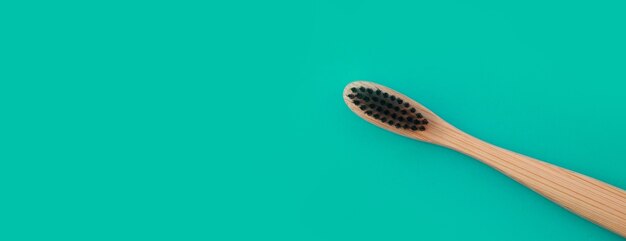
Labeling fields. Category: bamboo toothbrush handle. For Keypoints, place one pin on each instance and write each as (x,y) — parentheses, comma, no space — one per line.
(594,200)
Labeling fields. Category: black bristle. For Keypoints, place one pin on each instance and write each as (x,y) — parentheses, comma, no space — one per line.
(387,108)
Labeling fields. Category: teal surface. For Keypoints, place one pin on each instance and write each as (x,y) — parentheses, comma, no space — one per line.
(197,120)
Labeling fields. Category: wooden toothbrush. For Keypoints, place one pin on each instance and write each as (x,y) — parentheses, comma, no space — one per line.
(592,199)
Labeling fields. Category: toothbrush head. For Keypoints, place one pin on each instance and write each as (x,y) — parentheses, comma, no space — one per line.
(391,110)
(387,108)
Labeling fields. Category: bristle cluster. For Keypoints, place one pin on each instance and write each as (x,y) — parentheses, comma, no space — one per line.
(387,108)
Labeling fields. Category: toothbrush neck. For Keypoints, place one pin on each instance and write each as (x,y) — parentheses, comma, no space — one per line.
(469,145)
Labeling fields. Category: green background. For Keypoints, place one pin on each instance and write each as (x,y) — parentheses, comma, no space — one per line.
(197,120)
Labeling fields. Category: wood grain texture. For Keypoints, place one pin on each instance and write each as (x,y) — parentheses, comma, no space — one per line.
(592,199)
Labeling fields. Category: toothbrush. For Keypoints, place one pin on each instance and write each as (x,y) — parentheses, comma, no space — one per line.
(596,201)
